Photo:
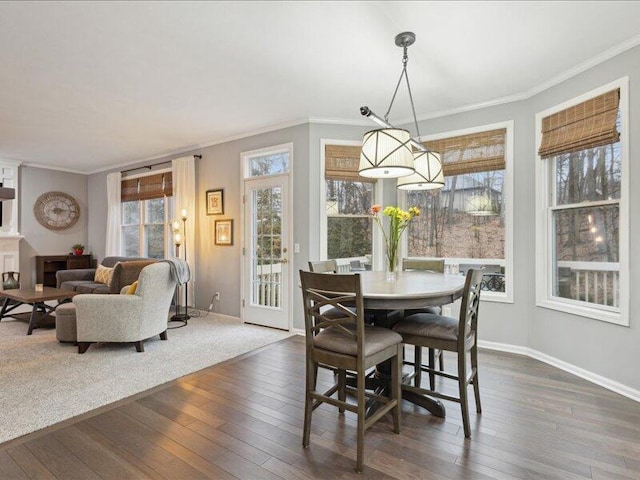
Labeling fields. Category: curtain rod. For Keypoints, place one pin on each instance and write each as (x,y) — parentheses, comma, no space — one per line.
(154,165)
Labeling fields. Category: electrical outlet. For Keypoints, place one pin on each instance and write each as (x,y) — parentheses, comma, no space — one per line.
(216,297)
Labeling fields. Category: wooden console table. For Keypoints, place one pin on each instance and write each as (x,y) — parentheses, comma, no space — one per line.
(48,265)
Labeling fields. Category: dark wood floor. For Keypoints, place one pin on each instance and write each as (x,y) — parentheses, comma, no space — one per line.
(243,419)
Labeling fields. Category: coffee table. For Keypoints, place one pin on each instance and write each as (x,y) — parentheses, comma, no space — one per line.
(14,298)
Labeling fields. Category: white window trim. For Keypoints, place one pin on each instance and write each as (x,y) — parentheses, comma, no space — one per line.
(544,245)
(377,248)
(507,295)
(169,247)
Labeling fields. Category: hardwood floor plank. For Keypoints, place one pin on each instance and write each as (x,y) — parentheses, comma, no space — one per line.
(243,419)
(107,465)
(9,469)
(29,464)
(59,460)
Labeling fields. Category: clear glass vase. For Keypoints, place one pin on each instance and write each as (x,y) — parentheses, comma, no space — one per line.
(391,268)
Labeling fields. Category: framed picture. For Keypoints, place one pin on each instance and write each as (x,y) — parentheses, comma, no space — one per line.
(224,232)
(215,202)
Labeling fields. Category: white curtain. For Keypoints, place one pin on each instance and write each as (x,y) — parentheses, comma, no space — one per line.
(184,198)
(112,244)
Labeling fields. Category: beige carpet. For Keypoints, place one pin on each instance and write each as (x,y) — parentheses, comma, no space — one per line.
(43,382)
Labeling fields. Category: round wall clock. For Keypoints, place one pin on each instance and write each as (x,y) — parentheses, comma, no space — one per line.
(56,210)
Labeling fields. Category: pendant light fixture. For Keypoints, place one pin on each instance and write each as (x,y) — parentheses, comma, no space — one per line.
(391,152)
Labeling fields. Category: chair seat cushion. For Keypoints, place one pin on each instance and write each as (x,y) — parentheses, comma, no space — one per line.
(376,339)
(73,284)
(428,325)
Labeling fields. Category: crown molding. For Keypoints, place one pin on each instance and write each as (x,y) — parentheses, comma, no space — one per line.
(195,148)
(567,74)
(52,167)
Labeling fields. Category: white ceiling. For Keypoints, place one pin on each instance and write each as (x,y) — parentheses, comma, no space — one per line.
(84,86)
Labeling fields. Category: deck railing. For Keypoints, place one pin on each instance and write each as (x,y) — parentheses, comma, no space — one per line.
(593,282)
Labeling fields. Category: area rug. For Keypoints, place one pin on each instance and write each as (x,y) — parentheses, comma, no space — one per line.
(43,382)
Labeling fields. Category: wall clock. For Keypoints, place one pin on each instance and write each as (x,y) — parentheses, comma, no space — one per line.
(56,210)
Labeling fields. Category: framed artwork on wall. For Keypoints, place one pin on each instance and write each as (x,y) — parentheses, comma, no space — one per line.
(224,232)
(215,202)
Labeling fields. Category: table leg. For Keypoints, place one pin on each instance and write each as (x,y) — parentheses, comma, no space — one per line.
(434,406)
(4,307)
(40,311)
(33,319)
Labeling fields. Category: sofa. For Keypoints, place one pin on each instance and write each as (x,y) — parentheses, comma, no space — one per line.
(126,270)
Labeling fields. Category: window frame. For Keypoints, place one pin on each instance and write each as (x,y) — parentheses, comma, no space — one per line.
(376,247)
(168,234)
(508,190)
(545,208)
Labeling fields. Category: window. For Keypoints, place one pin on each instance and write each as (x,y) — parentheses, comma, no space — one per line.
(468,221)
(347,200)
(146,206)
(581,204)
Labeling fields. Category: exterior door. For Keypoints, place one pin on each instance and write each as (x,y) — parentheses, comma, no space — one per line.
(266,252)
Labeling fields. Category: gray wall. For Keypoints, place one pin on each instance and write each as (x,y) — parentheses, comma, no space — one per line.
(606,349)
(602,348)
(39,240)
(218,267)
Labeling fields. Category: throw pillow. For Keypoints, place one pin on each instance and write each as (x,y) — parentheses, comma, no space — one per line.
(132,288)
(103,275)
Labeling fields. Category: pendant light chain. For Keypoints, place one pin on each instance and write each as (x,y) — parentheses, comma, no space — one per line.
(405,61)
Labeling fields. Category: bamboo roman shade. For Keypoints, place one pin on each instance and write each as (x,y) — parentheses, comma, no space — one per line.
(341,162)
(476,152)
(144,188)
(589,124)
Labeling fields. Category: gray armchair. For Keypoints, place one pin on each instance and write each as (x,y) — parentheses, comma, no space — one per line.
(127,318)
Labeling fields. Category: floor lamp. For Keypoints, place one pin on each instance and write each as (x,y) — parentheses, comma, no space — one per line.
(181,317)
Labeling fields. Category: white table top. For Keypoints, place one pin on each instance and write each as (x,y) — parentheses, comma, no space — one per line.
(411,289)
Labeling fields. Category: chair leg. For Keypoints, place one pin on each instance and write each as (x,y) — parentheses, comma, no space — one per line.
(312,369)
(417,367)
(462,387)
(342,392)
(362,408)
(441,358)
(432,365)
(83,346)
(139,346)
(163,335)
(396,391)
(476,385)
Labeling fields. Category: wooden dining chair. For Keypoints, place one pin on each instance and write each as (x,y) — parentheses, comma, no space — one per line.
(324,266)
(435,265)
(346,343)
(454,335)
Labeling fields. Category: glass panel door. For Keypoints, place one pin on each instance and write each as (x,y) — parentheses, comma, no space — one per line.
(265,252)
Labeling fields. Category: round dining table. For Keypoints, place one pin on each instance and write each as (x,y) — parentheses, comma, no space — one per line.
(411,289)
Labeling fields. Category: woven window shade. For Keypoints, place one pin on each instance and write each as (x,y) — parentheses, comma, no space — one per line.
(586,125)
(342,163)
(476,152)
(145,188)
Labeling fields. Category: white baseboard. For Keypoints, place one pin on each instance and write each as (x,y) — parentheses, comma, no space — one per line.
(503,347)
(298,331)
(227,317)
(612,385)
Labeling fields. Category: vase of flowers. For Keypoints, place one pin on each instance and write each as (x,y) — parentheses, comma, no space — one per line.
(78,249)
(398,222)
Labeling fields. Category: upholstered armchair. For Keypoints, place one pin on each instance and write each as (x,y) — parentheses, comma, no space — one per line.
(127,318)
